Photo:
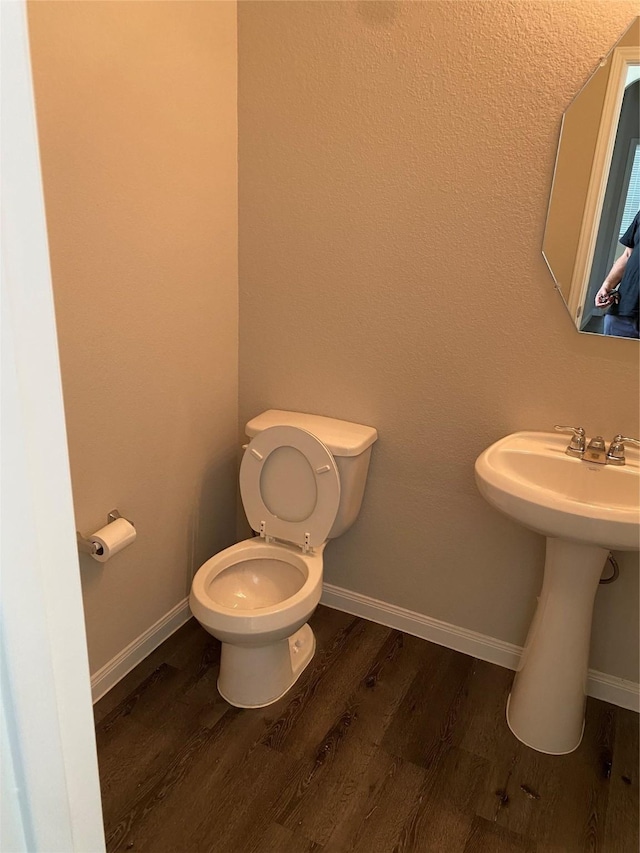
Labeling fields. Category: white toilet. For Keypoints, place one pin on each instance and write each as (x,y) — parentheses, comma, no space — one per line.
(302,479)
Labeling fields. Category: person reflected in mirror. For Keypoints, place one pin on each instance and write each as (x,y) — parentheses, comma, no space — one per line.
(619,291)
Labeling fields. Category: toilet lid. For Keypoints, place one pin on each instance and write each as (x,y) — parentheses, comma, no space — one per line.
(290,485)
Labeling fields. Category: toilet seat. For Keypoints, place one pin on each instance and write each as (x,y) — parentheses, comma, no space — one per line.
(290,486)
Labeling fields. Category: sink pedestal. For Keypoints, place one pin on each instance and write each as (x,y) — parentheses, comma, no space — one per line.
(546,706)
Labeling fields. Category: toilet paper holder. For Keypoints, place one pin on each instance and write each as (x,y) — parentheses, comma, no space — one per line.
(86,546)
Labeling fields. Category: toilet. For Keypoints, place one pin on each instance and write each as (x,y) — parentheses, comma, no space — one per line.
(302,479)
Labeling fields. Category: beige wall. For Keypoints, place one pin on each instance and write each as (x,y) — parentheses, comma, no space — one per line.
(136,107)
(395,170)
(395,167)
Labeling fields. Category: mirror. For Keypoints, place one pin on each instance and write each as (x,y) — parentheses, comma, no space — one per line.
(595,197)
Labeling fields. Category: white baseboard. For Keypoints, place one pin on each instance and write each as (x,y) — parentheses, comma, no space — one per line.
(617,691)
(112,672)
(609,688)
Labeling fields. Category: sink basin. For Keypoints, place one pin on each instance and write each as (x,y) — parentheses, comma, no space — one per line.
(529,477)
(585,510)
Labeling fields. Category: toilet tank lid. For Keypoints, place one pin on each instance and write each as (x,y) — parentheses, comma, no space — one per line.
(341,437)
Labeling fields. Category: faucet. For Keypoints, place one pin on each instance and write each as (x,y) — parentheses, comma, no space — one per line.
(595,450)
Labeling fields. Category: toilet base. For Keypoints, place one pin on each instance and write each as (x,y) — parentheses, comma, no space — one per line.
(257,676)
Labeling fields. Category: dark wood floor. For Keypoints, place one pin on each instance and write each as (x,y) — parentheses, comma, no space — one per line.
(387,743)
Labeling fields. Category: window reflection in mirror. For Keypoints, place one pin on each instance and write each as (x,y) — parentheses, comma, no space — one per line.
(596,195)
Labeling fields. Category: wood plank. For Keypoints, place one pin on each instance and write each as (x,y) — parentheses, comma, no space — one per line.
(278,839)
(487,837)
(204,746)
(317,797)
(313,708)
(455,778)
(210,752)
(335,770)
(427,723)
(387,743)
(443,829)
(342,769)
(622,824)
(560,801)
(140,736)
(486,726)
(237,811)
(376,821)
(235,803)
(183,637)
(443,812)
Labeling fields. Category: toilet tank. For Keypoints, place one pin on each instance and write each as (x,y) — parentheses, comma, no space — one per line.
(350,446)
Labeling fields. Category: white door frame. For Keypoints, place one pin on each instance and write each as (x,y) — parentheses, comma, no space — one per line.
(621,59)
(50,785)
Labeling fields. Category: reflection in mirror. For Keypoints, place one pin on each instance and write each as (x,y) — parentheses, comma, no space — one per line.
(592,236)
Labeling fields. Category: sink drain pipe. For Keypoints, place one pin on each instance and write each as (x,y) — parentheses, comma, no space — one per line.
(616,570)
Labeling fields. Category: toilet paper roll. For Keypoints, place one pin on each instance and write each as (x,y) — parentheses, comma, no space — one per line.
(113,538)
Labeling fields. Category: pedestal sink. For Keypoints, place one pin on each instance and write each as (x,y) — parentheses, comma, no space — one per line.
(585,510)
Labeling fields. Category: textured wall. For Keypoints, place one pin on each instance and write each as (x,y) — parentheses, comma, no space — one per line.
(136,107)
(395,166)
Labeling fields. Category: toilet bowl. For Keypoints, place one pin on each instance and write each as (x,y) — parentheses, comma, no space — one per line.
(257,596)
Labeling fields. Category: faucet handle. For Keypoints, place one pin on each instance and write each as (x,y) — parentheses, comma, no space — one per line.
(615,455)
(575,430)
(578,442)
